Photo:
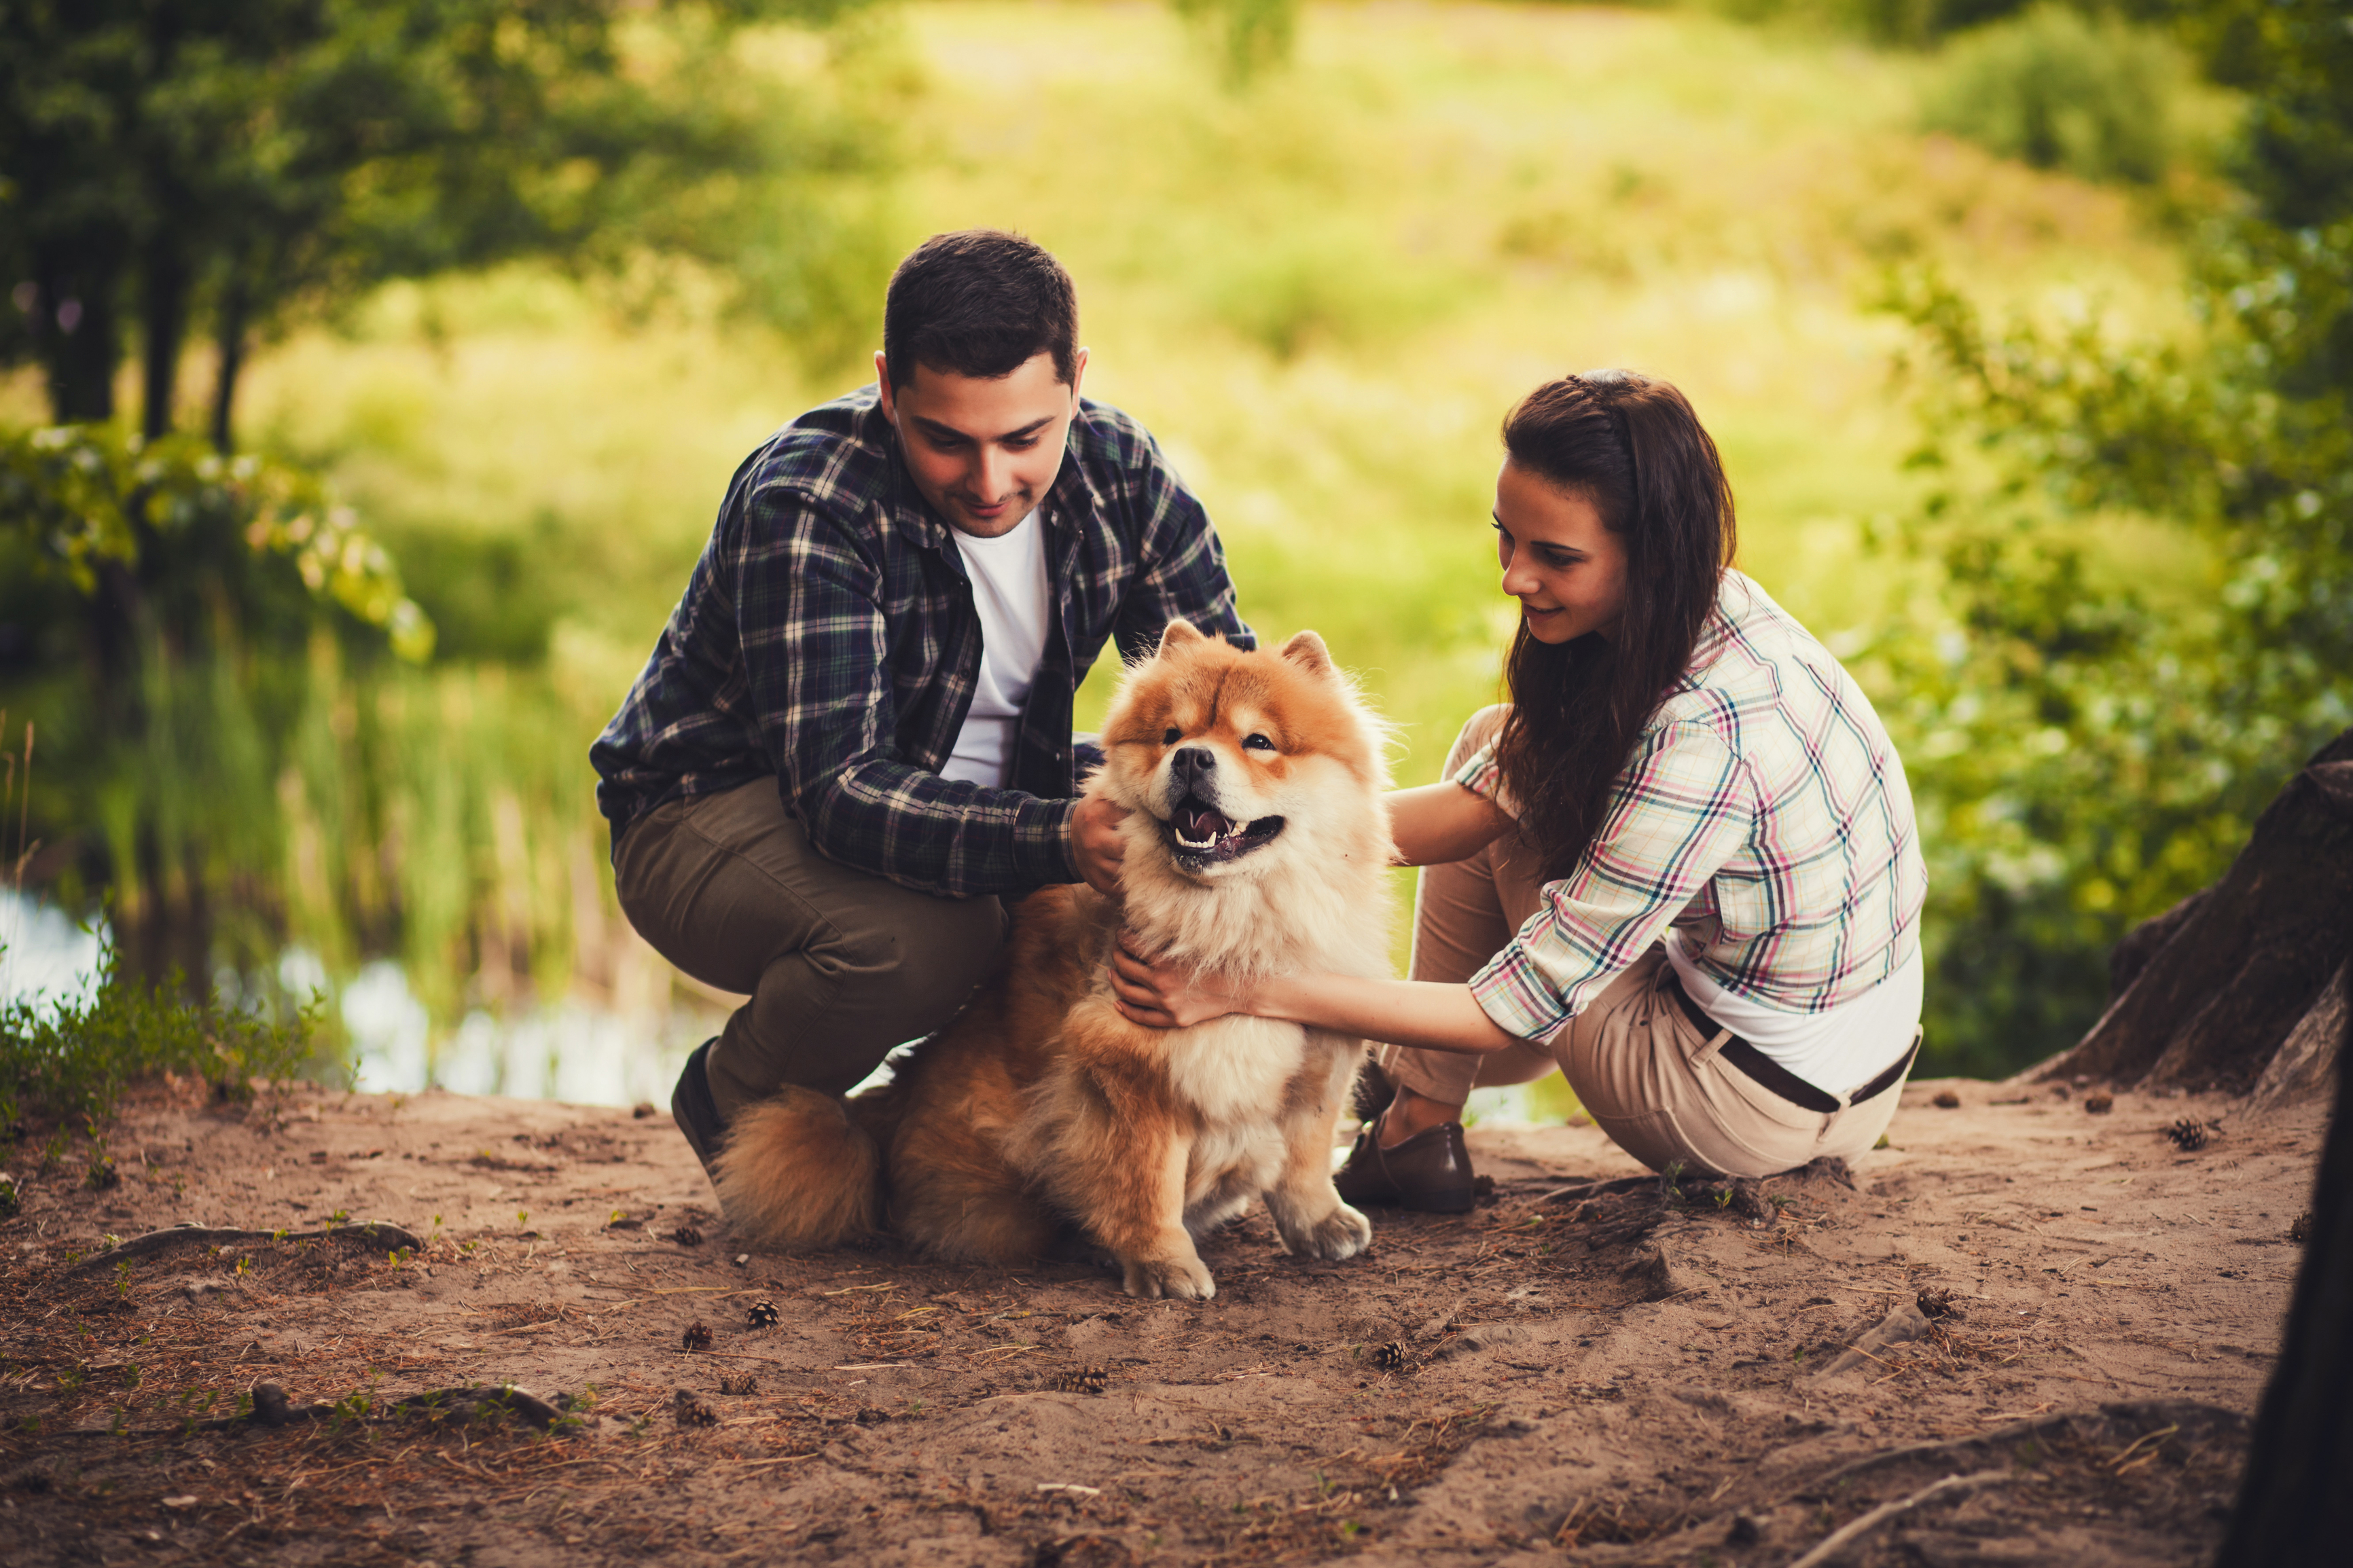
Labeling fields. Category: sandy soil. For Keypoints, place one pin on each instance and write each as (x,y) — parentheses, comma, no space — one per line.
(1603,1373)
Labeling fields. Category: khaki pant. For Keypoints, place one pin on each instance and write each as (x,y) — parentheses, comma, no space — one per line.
(1641,1071)
(840,966)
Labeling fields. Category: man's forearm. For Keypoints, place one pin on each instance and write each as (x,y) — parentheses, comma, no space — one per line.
(939,836)
(1418,1013)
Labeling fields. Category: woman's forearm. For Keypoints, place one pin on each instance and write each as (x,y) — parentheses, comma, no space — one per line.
(1418,1013)
(1441,822)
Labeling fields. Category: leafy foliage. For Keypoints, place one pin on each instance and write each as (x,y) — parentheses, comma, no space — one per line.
(180,522)
(250,159)
(2059,91)
(2090,741)
(69,1059)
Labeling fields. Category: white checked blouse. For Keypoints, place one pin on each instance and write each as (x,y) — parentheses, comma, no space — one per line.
(1764,815)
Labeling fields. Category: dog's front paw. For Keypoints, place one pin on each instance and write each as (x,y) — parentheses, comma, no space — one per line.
(1343,1233)
(1179,1279)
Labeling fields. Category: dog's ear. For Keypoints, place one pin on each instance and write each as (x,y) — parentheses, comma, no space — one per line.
(1307,651)
(1178,635)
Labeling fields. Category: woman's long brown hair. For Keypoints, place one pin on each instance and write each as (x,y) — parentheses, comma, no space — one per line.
(1634,448)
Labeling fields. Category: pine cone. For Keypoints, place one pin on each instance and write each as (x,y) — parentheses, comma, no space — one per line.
(2188,1135)
(2099,1104)
(1083,1380)
(687,1236)
(1947,1100)
(2301,1230)
(738,1383)
(764,1314)
(1391,1357)
(697,1336)
(692,1412)
(1935,1303)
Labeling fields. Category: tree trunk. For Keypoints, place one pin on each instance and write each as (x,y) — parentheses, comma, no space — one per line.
(229,334)
(76,325)
(2295,1503)
(2212,990)
(163,327)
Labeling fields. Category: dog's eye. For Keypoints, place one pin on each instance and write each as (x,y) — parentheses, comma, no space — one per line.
(1257,743)
(1171,737)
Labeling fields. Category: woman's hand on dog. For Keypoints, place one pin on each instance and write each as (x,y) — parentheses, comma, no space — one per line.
(1160,994)
(1095,843)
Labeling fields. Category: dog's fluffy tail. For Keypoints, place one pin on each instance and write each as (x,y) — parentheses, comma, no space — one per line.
(804,1170)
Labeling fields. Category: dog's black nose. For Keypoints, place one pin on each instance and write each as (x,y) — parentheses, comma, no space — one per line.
(1193,762)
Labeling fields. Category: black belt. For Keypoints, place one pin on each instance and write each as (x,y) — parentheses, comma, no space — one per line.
(1771,1074)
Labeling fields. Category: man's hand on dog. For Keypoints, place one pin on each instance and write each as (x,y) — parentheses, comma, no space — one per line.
(1096,844)
(1162,995)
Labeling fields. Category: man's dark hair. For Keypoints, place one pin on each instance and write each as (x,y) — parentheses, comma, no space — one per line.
(979,303)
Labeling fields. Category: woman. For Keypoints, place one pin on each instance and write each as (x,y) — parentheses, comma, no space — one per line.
(1680,865)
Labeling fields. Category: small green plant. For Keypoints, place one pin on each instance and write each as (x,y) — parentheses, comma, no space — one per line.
(341,1216)
(71,1057)
(1724,1198)
(244,1266)
(30,1425)
(71,1378)
(130,1374)
(522,1218)
(122,1280)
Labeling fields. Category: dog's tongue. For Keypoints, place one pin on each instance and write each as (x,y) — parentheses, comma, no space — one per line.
(1198,823)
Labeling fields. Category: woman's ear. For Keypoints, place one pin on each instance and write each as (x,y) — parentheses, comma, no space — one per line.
(1307,651)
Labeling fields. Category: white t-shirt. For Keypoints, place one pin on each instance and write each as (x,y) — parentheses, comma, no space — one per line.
(1011,591)
(1836,1051)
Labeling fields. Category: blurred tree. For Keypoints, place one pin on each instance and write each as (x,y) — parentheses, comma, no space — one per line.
(253,156)
(2087,749)
(140,580)
(1251,37)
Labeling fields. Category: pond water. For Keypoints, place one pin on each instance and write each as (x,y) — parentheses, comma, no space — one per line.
(569,1051)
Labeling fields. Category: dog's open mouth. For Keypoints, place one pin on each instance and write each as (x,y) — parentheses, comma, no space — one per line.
(1201,835)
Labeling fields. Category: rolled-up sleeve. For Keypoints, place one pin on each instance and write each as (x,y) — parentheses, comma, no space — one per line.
(1680,809)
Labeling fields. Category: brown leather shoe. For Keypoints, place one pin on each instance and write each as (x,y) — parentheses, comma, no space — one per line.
(1430,1171)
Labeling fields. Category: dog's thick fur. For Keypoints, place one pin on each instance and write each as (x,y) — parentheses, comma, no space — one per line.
(1258,846)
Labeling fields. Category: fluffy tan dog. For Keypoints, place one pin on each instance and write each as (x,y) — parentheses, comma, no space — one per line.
(1258,844)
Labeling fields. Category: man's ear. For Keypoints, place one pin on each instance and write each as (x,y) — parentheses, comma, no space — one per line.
(1176,635)
(1307,651)
(884,388)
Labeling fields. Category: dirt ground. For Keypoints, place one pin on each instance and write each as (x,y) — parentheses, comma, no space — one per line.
(1600,1374)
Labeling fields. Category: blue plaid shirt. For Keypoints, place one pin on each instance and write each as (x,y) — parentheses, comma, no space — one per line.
(827,638)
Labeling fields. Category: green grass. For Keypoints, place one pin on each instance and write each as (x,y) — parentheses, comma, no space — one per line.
(1321,293)
(64,1061)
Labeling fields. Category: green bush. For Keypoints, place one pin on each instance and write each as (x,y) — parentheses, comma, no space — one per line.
(2059,90)
(188,533)
(68,1060)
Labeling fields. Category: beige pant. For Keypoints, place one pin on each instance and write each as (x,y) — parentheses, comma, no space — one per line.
(840,966)
(1641,1071)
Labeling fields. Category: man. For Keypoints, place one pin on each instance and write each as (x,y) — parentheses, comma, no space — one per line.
(852,747)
